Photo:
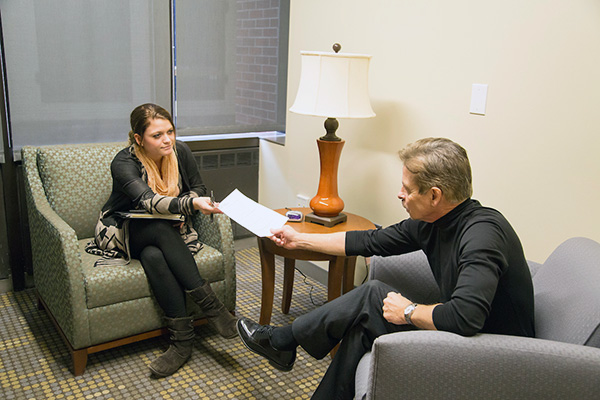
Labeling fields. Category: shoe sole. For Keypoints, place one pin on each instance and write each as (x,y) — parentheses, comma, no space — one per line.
(284,368)
(280,367)
(230,337)
(160,375)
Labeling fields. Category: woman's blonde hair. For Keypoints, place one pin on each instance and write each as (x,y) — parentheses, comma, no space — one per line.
(166,181)
(441,163)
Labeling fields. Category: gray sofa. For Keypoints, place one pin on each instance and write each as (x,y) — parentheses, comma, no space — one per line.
(562,362)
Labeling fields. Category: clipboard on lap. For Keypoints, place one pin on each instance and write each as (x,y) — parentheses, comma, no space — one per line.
(140,214)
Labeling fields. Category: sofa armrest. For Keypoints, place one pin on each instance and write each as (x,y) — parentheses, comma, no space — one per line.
(217,233)
(56,260)
(442,365)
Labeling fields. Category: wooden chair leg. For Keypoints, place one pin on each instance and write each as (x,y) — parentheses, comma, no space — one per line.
(79,361)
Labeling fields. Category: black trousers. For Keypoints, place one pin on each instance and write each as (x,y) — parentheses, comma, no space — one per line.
(167,261)
(355,319)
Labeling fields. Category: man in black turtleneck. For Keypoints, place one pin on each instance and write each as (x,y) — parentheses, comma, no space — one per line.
(476,258)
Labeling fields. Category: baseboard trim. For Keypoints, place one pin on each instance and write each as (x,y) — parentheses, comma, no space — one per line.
(6,285)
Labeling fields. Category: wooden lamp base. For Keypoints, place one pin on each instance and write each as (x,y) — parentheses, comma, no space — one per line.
(326,221)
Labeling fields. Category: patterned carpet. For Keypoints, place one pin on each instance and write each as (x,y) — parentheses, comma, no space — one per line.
(34,362)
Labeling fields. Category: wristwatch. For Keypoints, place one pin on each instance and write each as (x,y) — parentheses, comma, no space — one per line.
(408,312)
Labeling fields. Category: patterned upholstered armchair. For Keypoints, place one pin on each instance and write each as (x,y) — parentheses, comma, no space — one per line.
(562,362)
(98,308)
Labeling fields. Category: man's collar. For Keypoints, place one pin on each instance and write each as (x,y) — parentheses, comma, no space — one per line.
(450,216)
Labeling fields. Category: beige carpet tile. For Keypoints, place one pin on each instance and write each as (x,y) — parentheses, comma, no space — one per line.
(35,363)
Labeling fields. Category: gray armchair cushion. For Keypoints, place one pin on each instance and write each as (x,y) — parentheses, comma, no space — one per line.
(441,365)
(409,274)
(361,381)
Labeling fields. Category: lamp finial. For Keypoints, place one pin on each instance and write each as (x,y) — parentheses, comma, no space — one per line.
(337,47)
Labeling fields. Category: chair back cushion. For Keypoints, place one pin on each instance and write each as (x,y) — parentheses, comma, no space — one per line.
(567,294)
(77,181)
(409,274)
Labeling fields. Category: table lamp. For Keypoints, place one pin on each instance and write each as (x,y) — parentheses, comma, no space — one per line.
(332,85)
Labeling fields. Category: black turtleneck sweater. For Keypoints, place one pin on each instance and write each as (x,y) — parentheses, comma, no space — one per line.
(477,261)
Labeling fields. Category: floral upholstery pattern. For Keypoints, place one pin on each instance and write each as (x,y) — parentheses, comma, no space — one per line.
(66,186)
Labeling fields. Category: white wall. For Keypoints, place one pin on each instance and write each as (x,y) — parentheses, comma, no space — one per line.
(535,152)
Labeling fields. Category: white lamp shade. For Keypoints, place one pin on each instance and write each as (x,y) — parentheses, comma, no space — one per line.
(334,85)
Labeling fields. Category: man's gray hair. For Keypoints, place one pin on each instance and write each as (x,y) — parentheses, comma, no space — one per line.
(441,163)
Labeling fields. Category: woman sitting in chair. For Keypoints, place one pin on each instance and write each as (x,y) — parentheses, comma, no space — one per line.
(159,175)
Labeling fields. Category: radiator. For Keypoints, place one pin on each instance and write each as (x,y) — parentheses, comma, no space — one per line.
(225,170)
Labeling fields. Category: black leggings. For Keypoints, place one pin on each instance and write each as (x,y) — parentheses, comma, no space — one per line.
(167,261)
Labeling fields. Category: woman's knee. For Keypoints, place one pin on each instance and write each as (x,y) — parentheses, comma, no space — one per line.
(152,258)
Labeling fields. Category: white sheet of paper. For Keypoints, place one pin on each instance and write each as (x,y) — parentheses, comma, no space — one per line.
(257,218)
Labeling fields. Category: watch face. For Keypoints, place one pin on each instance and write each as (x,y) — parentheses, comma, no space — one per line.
(408,313)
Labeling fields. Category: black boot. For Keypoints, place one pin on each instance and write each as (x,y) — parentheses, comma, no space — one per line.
(218,316)
(182,336)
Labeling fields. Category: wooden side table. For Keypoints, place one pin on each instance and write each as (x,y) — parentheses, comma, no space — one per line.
(340,278)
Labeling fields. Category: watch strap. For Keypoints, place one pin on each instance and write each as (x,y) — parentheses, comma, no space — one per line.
(408,312)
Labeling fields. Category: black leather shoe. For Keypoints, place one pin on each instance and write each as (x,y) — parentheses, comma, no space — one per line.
(257,339)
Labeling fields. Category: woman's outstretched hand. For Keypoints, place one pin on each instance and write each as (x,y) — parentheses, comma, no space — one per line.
(206,206)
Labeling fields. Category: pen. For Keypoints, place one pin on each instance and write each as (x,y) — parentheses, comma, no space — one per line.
(212,203)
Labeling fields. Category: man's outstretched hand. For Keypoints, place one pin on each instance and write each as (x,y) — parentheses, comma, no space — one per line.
(285,237)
